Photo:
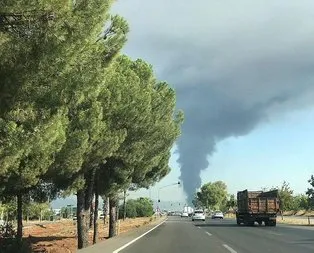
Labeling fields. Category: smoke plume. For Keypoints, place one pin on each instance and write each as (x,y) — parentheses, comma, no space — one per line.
(234,65)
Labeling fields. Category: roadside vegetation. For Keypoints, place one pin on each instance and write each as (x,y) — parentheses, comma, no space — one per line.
(214,196)
(77,116)
(141,207)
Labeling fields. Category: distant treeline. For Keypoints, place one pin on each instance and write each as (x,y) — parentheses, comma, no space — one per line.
(215,196)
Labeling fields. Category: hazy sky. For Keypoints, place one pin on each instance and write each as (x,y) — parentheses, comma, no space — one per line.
(243,71)
(244,75)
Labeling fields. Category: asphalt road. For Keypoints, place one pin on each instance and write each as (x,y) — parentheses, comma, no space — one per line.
(181,235)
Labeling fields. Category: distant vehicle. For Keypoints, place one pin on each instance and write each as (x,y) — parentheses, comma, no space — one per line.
(101,216)
(257,206)
(189,210)
(177,213)
(218,215)
(74,217)
(198,215)
(184,214)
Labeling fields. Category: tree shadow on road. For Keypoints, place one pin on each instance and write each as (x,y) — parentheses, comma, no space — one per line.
(229,225)
(217,225)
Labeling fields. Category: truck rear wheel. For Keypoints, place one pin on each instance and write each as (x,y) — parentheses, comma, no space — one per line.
(272,223)
(249,223)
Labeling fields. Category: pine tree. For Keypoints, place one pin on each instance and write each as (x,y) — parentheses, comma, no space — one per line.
(145,111)
(54,60)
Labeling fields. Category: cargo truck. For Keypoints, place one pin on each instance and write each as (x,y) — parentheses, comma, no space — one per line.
(257,206)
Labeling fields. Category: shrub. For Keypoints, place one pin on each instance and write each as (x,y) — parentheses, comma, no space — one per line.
(142,207)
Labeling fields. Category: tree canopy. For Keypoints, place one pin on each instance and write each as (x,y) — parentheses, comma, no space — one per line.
(310,192)
(213,195)
(76,116)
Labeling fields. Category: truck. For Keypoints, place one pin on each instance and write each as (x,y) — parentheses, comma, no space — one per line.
(189,210)
(257,206)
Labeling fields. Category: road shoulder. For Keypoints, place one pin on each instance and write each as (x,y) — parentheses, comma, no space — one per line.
(112,244)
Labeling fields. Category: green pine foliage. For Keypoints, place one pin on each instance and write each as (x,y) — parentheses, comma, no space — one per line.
(74,113)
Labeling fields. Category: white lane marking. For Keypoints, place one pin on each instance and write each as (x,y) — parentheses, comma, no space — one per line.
(208,233)
(139,237)
(199,227)
(229,248)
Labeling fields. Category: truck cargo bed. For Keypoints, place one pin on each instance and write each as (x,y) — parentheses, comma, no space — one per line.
(257,206)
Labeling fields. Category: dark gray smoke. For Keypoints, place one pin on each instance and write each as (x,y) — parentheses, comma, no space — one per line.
(204,128)
(234,64)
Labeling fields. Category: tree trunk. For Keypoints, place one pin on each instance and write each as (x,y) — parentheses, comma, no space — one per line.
(84,200)
(106,209)
(82,236)
(112,217)
(95,235)
(91,216)
(124,205)
(19,216)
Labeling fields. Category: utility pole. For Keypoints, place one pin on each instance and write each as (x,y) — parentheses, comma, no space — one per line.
(124,204)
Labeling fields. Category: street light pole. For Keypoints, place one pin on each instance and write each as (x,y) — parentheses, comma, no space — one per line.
(177,183)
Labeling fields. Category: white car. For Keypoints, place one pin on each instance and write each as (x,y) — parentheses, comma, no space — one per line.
(218,215)
(198,215)
(184,214)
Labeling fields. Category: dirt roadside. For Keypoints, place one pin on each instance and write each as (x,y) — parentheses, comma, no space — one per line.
(61,237)
(301,219)
(292,220)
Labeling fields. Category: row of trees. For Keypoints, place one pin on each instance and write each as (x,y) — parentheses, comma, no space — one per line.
(76,117)
(291,202)
(215,196)
(31,211)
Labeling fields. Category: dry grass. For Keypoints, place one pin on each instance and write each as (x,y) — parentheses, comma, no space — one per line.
(299,213)
(61,237)
(295,220)
(230,215)
(302,218)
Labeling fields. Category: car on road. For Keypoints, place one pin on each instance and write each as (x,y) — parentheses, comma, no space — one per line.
(177,213)
(184,214)
(198,215)
(217,215)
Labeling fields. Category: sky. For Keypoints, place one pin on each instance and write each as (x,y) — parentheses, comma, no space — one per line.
(243,72)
